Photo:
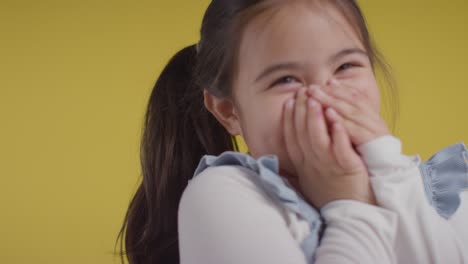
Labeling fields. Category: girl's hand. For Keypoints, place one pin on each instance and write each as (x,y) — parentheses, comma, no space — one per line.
(327,166)
(347,105)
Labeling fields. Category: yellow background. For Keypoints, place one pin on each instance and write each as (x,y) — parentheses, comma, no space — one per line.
(74,80)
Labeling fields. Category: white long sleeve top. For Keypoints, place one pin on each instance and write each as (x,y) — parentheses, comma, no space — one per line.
(226,217)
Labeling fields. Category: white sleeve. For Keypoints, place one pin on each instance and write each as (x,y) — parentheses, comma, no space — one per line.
(357,233)
(225,218)
(423,236)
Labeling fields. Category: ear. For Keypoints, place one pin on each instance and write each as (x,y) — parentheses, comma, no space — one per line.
(224,111)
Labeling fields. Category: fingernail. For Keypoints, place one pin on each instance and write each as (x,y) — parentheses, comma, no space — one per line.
(313,87)
(332,112)
(337,126)
(319,92)
(290,103)
(298,93)
(311,102)
(303,90)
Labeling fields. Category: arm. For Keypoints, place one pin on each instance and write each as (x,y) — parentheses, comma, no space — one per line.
(423,236)
(357,233)
(225,218)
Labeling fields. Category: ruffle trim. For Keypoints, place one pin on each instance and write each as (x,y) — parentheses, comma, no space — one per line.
(445,176)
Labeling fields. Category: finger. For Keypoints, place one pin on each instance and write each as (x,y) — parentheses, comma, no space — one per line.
(351,127)
(343,150)
(329,101)
(319,139)
(333,116)
(347,110)
(289,132)
(352,96)
(300,112)
(347,93)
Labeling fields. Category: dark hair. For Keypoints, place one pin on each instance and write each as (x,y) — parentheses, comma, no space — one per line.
(179,130)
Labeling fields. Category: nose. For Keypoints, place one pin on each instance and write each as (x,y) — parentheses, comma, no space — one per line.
(323,84)
(331,82)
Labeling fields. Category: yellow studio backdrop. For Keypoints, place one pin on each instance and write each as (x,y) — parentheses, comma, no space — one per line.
(74,80)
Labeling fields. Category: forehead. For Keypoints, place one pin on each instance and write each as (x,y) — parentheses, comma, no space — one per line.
(295,31)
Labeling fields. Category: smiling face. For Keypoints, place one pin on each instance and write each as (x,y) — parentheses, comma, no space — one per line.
(288,47)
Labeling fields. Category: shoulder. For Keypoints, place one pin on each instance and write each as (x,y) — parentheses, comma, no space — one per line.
(229,196)
(224,174)
(235,218)
(223,183)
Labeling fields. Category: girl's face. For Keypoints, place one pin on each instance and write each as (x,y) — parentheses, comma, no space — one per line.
(293,46)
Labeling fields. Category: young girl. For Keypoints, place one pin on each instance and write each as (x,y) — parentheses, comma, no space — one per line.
(324,181)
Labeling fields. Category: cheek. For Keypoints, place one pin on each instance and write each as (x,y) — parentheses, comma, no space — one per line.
(374,95)
(262,127)
(368,86)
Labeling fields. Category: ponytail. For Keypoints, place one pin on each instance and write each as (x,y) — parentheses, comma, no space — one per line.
(178,131)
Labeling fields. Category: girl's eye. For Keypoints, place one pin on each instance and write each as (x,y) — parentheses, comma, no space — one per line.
(285,80)
(345,67)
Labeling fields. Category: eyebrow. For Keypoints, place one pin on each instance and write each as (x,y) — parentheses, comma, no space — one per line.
(295,66)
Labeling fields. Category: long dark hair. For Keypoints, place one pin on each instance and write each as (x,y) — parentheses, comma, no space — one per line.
(179,130)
